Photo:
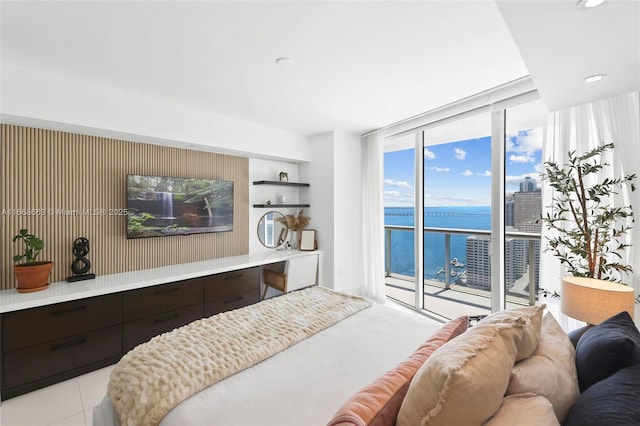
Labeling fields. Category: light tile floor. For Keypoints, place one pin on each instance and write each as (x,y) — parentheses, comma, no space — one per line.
(68,403)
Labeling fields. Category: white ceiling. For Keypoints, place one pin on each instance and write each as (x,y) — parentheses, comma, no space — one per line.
(562,43)
(359,65)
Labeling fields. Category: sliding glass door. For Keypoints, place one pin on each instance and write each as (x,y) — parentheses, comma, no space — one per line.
(474,177)
(457,216)
(524,126)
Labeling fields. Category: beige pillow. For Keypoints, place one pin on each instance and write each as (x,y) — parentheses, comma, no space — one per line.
(464,381)
(524,410)
(550,371)
(531,317)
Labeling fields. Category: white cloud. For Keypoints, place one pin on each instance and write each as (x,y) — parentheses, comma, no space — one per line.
(460,153)
(429,155)
(399,199)
(397,183)
(403,196)
(525,141)
(522,158)
(438,169)
(470,173)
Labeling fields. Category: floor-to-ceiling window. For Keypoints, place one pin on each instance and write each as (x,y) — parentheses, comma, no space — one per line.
(479,173)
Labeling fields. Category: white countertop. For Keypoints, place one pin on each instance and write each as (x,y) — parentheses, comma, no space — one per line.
(11,300)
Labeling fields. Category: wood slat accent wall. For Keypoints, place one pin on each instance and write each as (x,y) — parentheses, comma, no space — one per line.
(52,173)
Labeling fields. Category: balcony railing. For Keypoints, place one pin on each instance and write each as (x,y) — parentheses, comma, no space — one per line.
(446,283)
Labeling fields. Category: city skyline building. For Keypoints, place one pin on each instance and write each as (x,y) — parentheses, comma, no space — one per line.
(528,185)
(527,211)
(522,213)
(479,262)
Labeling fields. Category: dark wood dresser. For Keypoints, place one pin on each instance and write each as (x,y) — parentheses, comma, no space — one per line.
(48,344)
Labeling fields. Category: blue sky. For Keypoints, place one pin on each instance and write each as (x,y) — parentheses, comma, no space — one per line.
(459,173)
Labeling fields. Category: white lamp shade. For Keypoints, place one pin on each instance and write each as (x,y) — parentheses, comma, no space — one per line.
(593,301)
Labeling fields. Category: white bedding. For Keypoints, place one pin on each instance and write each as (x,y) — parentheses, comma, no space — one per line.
(307,383)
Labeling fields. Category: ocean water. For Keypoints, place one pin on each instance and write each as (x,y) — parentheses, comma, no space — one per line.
(402,250)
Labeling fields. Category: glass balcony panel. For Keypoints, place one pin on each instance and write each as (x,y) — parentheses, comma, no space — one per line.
(467,289)
(522,270)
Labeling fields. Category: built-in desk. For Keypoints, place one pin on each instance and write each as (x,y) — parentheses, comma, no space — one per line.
(73,328)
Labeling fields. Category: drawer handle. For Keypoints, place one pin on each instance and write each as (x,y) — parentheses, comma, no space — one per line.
(68,344)
(233,277)
(68,311)
(235,299)
(167,290)
(166,318)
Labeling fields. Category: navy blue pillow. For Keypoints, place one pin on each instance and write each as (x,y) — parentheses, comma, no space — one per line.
(607,348)
(614,401)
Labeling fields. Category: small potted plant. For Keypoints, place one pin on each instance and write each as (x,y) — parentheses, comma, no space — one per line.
(284,177)
(30,274)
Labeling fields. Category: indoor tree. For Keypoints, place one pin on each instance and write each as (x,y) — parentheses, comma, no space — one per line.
(587,226)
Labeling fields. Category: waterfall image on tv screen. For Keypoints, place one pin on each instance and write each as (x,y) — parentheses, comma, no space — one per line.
(158,206)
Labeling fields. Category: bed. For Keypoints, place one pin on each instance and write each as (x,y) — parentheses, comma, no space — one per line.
(308,382)
(373,365)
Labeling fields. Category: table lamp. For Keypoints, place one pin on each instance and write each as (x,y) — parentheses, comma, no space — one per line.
(593,301)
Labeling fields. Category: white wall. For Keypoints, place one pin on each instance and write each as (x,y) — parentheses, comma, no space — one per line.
(319,173)
(347,212)
(31,97)
(335,199)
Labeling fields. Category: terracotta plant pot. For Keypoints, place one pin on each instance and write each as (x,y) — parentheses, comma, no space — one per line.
(32,277)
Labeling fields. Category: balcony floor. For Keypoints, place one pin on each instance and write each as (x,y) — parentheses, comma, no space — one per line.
(448,303)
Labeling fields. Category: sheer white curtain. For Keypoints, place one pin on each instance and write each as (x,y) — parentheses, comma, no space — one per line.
(618,119)
(582,128)
(373,216)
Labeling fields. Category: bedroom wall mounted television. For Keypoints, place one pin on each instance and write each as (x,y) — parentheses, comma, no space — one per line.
(159,206)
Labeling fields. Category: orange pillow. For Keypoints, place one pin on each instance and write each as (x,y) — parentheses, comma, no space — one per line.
(379,402)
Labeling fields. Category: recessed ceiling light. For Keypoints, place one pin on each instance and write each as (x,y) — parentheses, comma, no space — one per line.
(588,4)
(284,62)
(594,78)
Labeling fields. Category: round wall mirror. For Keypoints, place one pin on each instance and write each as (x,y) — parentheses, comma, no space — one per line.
(272,231)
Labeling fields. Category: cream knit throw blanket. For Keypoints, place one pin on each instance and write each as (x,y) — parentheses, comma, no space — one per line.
(156,376)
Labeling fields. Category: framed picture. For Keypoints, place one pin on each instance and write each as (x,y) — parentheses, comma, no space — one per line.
(307,239)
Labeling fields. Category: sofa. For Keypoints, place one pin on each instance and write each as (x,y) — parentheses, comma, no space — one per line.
(515,367)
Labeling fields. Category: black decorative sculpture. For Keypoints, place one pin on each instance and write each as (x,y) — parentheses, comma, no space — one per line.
(81,265)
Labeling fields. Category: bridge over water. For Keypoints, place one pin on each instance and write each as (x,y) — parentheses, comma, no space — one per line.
(440,214)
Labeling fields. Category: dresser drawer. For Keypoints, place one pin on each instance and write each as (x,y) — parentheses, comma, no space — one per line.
(232,301)
(220,286)
(162,298)
(37,325)
(142,330)
(40,361)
